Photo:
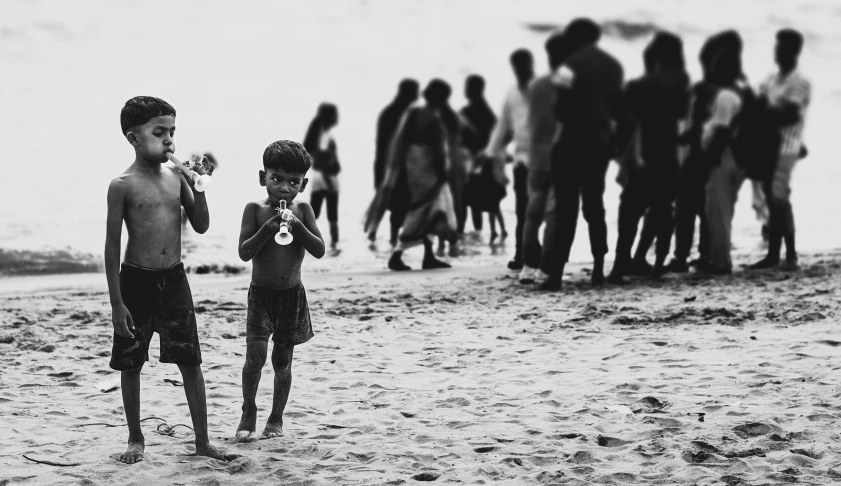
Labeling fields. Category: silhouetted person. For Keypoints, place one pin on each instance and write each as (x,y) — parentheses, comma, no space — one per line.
(695,169)
(407,93)
(323,180)
(785,95)
(656,101)
(589,107)
(480,120)
(418,154)
(513,125)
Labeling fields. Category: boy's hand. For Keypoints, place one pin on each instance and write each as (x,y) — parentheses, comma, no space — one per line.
(122,320)
(273,223)
(293,222)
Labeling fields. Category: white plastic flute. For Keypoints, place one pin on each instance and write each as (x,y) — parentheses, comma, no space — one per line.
(200,181)
(283,236)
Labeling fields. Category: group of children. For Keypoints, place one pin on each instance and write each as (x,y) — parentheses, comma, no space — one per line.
(149,291)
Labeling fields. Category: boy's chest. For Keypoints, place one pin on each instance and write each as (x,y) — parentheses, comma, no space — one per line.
(162,196)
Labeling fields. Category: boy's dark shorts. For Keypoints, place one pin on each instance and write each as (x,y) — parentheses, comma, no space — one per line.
(282,314)
(158,301)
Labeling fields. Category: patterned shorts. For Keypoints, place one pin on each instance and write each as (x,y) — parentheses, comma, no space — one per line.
(282,315)
(158,301)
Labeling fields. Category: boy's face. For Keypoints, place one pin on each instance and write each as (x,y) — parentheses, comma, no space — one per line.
(154,139)
(281,184)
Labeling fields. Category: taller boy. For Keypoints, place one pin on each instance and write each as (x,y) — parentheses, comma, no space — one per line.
(149,290)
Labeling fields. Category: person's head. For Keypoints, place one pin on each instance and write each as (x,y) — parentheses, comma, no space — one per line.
(558,48)
(408,91)
(437,93)
(582,32)
(728,39)
(787,50)
(523,65)
(148,124)
(328,115)
(664,50)
(725,68)
(474,87)
(285,166)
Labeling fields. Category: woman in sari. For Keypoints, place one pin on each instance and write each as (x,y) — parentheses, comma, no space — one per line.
(419,162)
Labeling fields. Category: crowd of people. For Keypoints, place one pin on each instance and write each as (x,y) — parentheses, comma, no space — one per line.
(684,152)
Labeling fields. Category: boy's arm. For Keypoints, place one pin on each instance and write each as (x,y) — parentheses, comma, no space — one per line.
(306,231)
(251,236)
(195,205)
(120,316)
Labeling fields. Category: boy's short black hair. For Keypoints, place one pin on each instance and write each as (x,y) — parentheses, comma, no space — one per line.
(792,38)
(287,155)
(141,109)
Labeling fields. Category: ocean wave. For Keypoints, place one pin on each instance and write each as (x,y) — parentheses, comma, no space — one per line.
(47,262)
(622,29)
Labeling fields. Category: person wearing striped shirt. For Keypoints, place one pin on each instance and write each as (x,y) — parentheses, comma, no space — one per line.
(787,94)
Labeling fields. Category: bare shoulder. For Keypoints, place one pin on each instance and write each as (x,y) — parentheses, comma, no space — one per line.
(302,206)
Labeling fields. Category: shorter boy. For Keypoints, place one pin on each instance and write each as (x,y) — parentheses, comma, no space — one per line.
(277,302)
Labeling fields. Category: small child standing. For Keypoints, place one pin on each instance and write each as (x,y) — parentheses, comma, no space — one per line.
(149,290)
(277,302)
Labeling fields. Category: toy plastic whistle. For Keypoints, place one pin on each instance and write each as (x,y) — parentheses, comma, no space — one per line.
(200,181)
(283,236)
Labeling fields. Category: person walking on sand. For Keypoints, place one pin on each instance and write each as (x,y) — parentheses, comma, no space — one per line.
(513,125)
(149,289)
(786,95)
(420,154)
(277,301)
(324,181)
(590,108)
(407,94)
(657,102)
(479,119)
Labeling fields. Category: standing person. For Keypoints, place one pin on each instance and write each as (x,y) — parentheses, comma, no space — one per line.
(407,93)
(726,176)
(420,153)
(277,300)
(786,95)
(513,125)
(694,172)
(149,289)
(480,120)
(543,129)
(589,106)
(657,102)
(324,181)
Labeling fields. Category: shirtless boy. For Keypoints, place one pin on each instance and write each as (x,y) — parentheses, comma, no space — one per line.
(277,302)
(149,290)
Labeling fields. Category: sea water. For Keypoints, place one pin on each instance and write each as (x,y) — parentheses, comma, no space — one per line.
(243,74)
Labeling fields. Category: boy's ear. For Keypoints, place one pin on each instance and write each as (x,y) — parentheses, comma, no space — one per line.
(263,178)
(132,138)
(303,185)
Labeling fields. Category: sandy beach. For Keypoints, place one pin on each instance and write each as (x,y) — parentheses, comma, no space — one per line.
(453,377)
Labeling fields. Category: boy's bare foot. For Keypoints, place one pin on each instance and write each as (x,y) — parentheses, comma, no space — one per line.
(273,429)
(134,452)
(215,453)
(247,429)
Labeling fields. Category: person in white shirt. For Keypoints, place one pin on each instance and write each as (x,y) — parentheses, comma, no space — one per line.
(787,95)
(513,125)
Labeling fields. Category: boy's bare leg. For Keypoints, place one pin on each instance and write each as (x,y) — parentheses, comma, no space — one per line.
(255,358)
(282,363)
(197,401)
(130,384)
(504,233)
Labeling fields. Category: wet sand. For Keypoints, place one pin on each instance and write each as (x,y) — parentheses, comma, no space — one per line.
(452,377)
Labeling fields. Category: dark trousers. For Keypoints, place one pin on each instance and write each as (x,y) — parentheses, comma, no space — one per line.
(654,194)
(578,173)
(521,202)
(691,201)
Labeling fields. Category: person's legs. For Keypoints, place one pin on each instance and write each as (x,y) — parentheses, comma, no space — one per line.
(429,260)
(662,221)
(566,183)
(193,380)
(282,364)
(539,185)
(332,199)
(759,203)
(550,222)
(255,358)
(721,193)
(521,198)
(130,385)
(592,203)
(316,200)
(778,192)
(396,219)
(492,221)
(646,239)
(396,260)
(631,208)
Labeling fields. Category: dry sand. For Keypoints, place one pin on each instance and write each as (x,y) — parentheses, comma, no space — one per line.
(455,377)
